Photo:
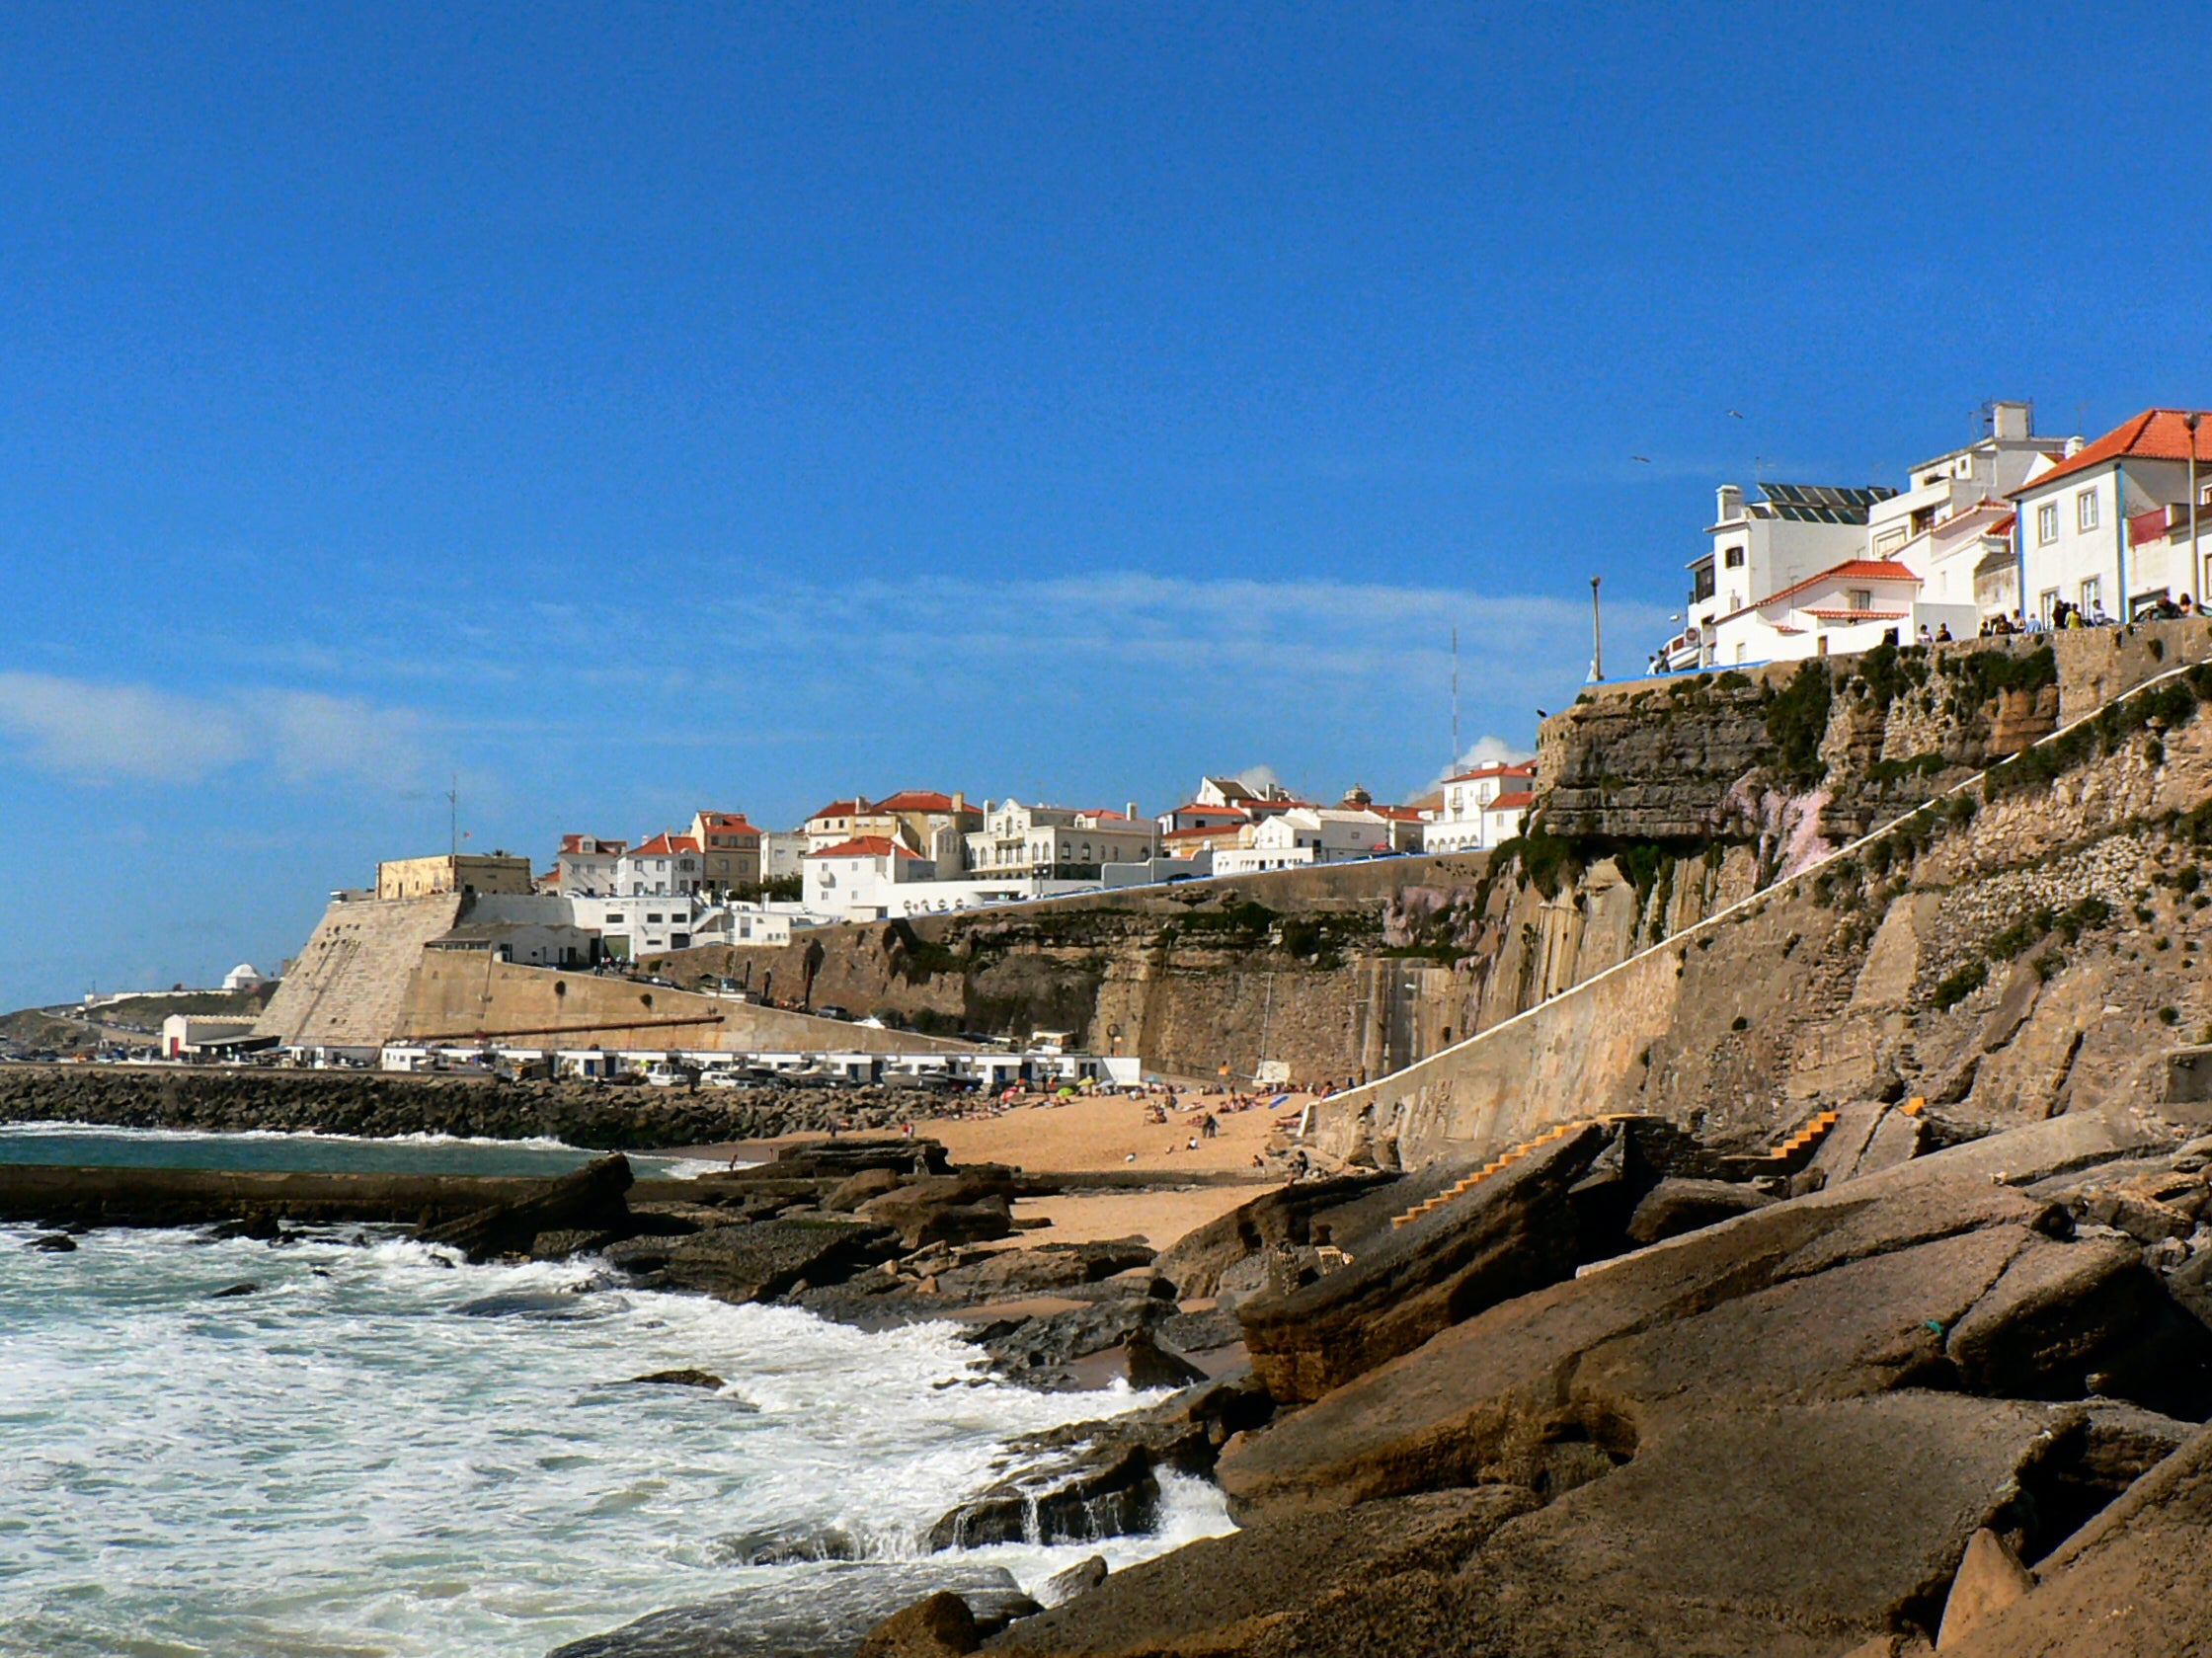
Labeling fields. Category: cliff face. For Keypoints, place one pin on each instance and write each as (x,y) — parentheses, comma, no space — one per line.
(2026,947)
(1334,972)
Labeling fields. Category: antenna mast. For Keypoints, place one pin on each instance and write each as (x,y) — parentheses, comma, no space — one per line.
(1454,765)
(453,816)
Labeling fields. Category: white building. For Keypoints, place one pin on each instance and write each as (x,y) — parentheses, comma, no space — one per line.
(1986,470)
(1058,843)
(1306,834)
(856,880)
(1854,606)
(587,864)
(748,923)
(244,977)
(1504,816)
(187,1036)
(643,924)
(1460,823)
(661,867)
(1762,547)
(2110,527)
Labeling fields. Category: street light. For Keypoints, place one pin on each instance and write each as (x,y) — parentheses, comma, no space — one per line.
(1597,637)
(2189,420)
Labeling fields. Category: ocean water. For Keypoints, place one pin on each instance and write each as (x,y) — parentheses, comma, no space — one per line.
(377,1452)
(98,1147)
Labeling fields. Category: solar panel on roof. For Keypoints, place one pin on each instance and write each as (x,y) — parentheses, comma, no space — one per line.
(1823,503)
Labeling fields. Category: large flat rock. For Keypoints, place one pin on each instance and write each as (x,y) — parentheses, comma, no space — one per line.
(1945,1284)
(1514,1232)
(1795,1532)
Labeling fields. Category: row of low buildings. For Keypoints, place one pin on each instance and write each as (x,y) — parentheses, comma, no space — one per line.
(919,853)
(2013,526)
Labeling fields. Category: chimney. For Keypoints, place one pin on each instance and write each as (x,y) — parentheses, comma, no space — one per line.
(1730,498)
(2074,445)
(959,801)
(1129,810)
(2011,422)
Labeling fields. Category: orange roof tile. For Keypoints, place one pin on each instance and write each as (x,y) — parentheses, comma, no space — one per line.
(2154,434)
(1512,802)
(866,846)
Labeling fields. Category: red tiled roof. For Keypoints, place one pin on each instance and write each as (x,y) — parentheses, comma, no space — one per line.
(575,843)
(1398,813)
(839,808)
(1860,616)
(1512,802)
(2154,434)
(915,800)
(663,844)
(1851,570)
(725,820)
(866,846)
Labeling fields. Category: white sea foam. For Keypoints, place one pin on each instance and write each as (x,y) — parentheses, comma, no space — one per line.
(378,1453)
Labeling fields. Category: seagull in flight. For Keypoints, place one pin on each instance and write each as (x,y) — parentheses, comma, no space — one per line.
(1647,459)
(1735,415)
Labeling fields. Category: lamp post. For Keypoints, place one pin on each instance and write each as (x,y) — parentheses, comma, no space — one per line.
(2189,420)
(1597,636)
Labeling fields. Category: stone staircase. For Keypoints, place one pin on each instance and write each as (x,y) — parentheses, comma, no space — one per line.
(1504,1159)
(1782,1158)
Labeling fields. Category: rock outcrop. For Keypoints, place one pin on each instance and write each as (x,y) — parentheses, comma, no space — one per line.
(1513,1232)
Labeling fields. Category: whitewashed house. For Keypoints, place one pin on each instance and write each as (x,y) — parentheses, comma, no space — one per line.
(854,878)
(588,865)
(1306,834)
(1764,547)
(2110,527)
(661,867)
(640,924)
(1461,823)
(1853,606)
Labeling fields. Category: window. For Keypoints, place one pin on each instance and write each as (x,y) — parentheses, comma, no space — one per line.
(654,918)
(1888,542)
(1734,558)
(1861,599)
(2085,510)
(2046,523)
(2092,596)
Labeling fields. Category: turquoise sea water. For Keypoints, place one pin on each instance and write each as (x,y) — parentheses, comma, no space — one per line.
(377,1453)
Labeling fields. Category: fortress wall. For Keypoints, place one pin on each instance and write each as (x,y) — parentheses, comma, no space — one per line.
(460,993)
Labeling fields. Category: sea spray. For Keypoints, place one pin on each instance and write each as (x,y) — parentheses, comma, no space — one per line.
(345,1458)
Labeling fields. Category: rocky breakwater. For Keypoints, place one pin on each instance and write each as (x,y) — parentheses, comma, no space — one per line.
(376,1106)
(1957,1395)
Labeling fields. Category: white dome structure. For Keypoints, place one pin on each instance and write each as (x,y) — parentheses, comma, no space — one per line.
(244,977)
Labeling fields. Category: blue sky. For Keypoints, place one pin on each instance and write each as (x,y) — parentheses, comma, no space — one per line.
(629,409)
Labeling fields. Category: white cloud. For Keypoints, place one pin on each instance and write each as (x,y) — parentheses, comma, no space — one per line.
(1485,751)
(99,733)
(96,732)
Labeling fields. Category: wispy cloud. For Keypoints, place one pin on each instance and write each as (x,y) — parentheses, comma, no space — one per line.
(95,732)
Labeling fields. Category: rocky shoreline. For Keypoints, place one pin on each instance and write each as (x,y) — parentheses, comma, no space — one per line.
(374,1105)
(1914,1384)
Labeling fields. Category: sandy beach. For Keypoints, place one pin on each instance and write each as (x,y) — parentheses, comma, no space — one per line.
(1114,1132)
